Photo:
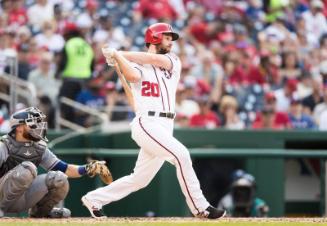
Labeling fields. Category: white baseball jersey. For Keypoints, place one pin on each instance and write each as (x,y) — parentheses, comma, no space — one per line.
(156,91)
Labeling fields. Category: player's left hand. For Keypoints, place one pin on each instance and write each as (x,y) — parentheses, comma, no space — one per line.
(108,52)
(95,167)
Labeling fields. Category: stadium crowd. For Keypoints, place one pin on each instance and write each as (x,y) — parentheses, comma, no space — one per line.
(258,64)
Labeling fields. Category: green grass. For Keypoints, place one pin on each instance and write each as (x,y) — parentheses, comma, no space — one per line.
(170,224)
(167,224)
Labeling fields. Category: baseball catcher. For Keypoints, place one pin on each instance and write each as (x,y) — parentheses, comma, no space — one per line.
(24,149)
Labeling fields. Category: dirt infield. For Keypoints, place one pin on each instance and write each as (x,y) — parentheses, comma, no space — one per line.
(88,220)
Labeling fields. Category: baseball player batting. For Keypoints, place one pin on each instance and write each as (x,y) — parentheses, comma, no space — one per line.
(154,76)
(22,150)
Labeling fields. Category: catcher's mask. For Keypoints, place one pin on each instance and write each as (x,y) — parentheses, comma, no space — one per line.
(154,33)
(34,119)
(243,192)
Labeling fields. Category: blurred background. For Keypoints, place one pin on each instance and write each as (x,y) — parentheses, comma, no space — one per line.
(252,95)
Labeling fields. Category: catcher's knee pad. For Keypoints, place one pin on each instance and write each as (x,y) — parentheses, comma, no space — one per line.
(56,179)
(24,173)
(58,188)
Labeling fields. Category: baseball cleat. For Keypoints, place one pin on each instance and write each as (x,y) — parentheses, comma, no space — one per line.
(95,212)
(215,213)
(212,213)
(59,213)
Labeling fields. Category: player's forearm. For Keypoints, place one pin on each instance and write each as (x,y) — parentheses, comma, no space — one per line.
(74,171)
(158,60)
(130,73)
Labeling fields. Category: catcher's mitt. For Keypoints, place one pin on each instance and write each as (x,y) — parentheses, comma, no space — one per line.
(95,167)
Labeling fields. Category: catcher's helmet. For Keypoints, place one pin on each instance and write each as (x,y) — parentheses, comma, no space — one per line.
(33,118)
(153,34)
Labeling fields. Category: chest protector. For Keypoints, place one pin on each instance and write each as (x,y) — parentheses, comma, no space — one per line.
(19,152)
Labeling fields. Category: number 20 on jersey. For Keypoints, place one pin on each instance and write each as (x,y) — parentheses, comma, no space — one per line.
(150,89)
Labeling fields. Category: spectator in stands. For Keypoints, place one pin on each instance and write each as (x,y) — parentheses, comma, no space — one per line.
(17,15)
(305,42)
(214,6)
(315,21)
(320,109)
(45,74)
(304,87)
(40,12)
(323,71)
(206,118)
(241,200)
(5,7)
(205,32)
(24,67)
(85,21)
(75,67)
(89,13)
(266,120)
(7,48)
(108,34)
(228,64)
(265,73)
(48,39)
(323,121)
(270,118)
(285,94)
(117,105)
(35,53)
(310,102)
(185,106)
(238,67)
(255,15)
(159,9)
(60,17)
(277,30)
(92,98)
(290,68)
(242,39)
(23,35)
(228,110)
(181,120)
(298,119)
(211,73)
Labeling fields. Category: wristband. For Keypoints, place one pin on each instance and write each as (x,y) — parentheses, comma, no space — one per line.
(82,170)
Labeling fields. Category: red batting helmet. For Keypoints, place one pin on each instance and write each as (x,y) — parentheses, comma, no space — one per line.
(153,34)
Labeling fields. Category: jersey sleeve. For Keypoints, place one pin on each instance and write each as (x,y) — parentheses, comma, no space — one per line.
(176,63)
(138,67)
(49,160)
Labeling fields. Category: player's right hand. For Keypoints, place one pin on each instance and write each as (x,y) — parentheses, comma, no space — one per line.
(110,61)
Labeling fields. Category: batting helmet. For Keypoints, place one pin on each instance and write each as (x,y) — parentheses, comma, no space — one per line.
(154,33)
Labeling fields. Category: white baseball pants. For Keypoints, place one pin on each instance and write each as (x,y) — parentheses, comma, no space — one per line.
(154,136)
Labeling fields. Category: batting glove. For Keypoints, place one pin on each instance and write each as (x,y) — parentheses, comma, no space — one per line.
(108,52)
